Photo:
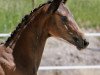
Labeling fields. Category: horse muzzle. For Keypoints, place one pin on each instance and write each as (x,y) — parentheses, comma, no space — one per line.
(82,44)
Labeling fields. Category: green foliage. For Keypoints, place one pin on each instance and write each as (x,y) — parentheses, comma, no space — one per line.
(11,12)
(86,12)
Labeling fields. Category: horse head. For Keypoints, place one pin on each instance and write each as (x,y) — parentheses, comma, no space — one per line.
(62,24)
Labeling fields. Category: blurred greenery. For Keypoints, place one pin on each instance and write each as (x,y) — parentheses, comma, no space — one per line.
(86,12)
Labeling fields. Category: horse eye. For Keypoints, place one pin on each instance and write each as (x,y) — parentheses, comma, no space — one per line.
(64,18)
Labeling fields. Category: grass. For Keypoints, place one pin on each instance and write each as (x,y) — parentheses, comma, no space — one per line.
(86,12)
(11,12)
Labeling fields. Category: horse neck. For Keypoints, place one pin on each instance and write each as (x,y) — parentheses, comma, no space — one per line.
(29,47)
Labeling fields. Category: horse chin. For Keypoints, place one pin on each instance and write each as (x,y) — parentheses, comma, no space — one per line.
(79,48)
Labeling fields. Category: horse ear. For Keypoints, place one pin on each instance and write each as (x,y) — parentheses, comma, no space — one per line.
(64,1)
(54,6)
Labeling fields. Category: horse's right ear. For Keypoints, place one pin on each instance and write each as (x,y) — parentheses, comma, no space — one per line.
(54,6)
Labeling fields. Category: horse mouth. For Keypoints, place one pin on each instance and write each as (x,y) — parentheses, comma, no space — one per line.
(80,48)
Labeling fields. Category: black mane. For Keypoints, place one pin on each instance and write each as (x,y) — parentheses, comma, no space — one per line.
(20,26)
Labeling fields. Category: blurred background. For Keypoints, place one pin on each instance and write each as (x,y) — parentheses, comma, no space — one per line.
(86,12)
(57,52)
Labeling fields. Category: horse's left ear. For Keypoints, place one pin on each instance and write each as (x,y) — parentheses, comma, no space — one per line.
(64,1)
(54,6)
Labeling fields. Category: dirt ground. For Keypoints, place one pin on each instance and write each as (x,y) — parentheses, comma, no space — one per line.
(61,53)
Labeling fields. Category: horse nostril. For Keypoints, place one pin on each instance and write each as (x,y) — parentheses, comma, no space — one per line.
(86,43)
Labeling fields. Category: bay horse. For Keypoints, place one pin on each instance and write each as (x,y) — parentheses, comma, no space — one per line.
(21,53)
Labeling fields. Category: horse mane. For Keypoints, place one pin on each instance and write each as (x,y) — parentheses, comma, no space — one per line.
(21,25)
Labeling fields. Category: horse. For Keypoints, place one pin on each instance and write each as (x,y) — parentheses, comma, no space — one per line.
(22,51)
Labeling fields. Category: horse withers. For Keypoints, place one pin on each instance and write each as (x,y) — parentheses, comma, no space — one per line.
(21,53)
